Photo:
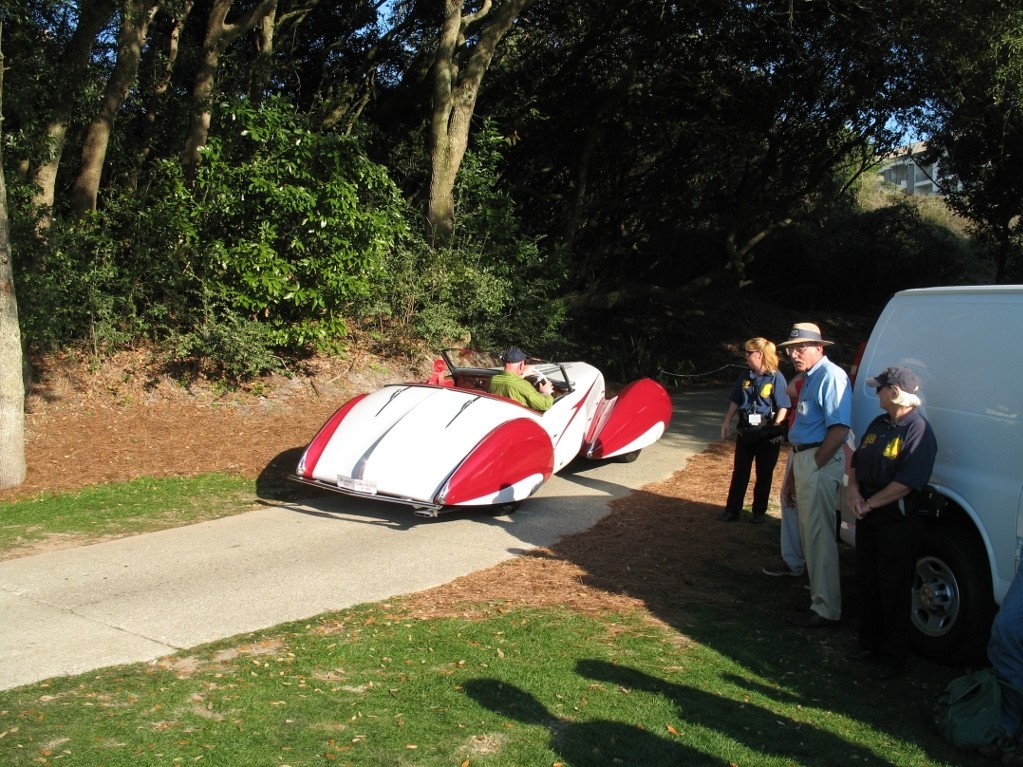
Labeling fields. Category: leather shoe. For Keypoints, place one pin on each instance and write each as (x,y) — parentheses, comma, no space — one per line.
(813,620)
(861,655)
(782,568)
(729,517)
(758,519)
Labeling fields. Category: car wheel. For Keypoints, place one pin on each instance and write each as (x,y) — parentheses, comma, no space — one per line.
(628,457)
(500,509)
(952,597)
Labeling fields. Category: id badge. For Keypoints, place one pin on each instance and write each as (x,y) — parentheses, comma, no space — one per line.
(754,419)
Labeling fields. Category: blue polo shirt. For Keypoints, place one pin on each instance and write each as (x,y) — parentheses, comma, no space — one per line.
(824,401)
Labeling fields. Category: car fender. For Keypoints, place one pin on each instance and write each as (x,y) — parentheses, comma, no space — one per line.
(509,464)
(635,419)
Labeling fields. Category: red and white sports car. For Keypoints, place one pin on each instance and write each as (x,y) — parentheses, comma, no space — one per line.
(450,443)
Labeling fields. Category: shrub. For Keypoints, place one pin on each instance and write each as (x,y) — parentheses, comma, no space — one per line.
(280,235)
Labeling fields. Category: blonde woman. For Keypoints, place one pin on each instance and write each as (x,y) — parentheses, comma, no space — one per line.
(759,398)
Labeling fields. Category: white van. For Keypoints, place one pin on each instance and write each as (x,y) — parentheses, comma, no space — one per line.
(966,345)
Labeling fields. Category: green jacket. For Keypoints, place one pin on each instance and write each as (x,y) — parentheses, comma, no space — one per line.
(519,389)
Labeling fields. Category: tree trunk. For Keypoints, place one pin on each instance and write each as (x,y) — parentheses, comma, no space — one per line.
(739,257)
(163,70)
(12,382)
(94,15)
(455,88)
(135,18)
(263,67)
(219,35)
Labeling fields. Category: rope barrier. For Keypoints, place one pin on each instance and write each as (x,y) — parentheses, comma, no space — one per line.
(701,375)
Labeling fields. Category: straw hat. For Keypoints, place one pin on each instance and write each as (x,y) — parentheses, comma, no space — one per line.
(805,333)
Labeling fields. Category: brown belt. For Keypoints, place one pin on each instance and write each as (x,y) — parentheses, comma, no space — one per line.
(807,446)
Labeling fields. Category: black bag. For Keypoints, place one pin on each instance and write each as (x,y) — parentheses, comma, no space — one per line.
(968,714)
(752,435)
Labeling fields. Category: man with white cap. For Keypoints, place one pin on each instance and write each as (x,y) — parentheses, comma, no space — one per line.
(815,473)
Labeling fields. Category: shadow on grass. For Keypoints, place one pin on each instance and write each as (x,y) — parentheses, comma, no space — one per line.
(584,743)
(703,577)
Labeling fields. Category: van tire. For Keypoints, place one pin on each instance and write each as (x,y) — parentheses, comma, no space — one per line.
(952,597)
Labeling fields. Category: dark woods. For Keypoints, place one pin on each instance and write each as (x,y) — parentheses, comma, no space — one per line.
(244,182)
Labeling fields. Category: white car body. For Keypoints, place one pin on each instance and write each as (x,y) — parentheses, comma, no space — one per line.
(449,442)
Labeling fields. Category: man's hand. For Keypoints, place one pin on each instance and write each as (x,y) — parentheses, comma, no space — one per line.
(788,491)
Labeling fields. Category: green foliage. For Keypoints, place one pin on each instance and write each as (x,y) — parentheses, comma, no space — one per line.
(233,347)
(640,144)
(283,239)
(77,290)
(283,232)
(872,244)
(491,283)
(301,223)
(974,124)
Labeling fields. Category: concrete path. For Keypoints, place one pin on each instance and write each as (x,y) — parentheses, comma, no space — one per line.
(144,597)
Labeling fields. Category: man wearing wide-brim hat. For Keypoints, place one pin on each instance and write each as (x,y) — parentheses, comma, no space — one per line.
(814,477)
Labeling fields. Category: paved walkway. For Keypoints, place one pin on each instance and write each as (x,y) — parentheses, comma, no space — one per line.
(144,597)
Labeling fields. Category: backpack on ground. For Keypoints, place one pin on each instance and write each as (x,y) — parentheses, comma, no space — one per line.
(969,713)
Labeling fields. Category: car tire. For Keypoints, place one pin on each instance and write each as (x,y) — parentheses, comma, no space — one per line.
(500,509)
(628,457)
(953,604)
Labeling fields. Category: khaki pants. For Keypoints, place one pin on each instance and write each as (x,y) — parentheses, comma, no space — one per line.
(817,498)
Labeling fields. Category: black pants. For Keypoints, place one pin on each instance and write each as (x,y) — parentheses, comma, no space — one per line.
(765,454)
(886,546)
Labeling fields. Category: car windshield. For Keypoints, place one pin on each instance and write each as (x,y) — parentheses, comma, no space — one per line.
(475,361)
(471,359)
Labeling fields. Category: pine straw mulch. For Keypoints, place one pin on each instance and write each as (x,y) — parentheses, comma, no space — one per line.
(88,424)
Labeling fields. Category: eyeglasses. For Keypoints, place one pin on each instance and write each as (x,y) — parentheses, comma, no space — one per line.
(879,388)
(790,350)
(748,352)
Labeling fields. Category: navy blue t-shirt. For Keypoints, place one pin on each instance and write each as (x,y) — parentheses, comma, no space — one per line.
(760,394)
(902,451)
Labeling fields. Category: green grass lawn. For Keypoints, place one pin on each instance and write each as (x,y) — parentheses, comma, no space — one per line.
(717,684)
(122,508)
(375,686)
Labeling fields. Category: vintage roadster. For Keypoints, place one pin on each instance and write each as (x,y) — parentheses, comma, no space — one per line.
(449,443)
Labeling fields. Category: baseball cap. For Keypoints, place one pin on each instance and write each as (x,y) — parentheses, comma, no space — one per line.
(514,354)
(904,378)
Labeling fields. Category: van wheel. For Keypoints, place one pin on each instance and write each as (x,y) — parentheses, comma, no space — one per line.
(952,597)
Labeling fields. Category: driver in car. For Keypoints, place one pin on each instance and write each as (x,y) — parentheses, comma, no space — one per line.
(512,383)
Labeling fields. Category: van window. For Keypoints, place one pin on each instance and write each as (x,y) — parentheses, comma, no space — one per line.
(951,347)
